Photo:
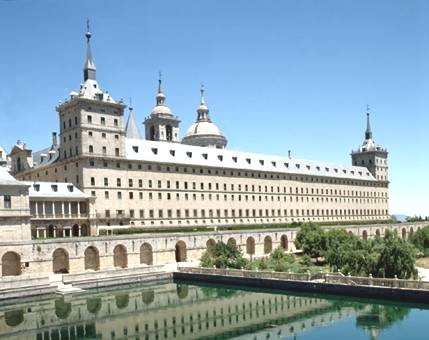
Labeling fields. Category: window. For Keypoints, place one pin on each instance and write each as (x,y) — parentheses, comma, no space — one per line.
(130,183)
(116,151)
(119,195)
(106,195)
(106,181)
(104,150)
(118,182)
(91,149)
(7,202)
(92,180)
(115,122)
(89,119)
(140,183)
(103,135)
(103,121)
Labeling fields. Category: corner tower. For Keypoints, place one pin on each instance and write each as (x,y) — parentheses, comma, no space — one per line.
(161,124)
(371,155)
(91,122)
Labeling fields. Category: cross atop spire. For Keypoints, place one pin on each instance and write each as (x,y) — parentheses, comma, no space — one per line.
(203,110)
(368,132)
(89,67)
(160,97)
(202,94)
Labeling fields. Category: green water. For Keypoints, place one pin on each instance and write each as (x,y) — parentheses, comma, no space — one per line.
(182,311)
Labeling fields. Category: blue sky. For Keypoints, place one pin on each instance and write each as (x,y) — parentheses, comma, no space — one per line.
(279,75)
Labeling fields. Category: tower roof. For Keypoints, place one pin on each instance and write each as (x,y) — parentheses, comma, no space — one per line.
(89,67)
(160,108)
(369,144)
(132,130)
(368,132)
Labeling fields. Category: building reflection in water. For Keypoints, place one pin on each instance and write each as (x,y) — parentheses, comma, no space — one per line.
(182,311)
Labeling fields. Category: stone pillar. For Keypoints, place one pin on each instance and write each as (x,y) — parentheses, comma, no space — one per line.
(43,209)
(80,231)
(78,210)
(69,209)
(37,208)
(37,232)
(62,209)
(53,209)
(55,231)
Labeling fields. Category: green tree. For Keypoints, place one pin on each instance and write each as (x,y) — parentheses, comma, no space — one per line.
(223,255)
(311,240)
(421,239)
(398,257)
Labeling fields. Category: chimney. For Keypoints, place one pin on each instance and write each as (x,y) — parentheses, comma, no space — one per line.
(54,138)
(289,154)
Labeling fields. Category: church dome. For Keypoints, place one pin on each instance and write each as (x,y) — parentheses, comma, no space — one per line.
(204,132)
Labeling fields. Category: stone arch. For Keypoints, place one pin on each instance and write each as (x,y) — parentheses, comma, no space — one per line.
(268,244)
(93,305)
(404,233)
(14,317)
(284,242)
(60,261)
(146,254)
(250,245)
(51,230)
(122,300)
(377,232)
(11,264)
(84,230)
(364,235)
(386,232)
(92,258)
(152,133)
(232,241)
(75,230)
(210,243)
(411,233)
(148,296)
(120,257)
(180,251)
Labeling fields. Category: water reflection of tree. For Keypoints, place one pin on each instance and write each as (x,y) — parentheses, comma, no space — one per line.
(380,317)
(218,292)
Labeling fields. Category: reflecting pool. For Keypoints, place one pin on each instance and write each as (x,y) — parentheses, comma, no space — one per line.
(184,311)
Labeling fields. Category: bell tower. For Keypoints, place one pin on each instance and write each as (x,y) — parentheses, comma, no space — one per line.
(161,124)
(371,155)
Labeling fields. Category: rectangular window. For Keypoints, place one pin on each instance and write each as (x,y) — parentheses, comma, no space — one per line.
(141,213)
(116,151)
(115,122)
(89,119)
(7,202)
(119,195)
(106,195)
(106,181)
(92,180)
(140,183)
(132,213)
(118,182)
(104,150)
(103,121)
(91,149)
(130,183)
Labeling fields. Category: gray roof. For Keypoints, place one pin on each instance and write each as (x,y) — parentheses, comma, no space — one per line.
(132,129)
(7,179)
(175,153)
(46,156)
(54,190)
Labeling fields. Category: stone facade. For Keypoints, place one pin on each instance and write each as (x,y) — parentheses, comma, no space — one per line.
(77,255)
(161,182)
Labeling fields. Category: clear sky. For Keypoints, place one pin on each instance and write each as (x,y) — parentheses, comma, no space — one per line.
(279,75)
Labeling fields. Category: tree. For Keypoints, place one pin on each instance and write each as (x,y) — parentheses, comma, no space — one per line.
(310,239)
(223,255)
(421,239)
(398,257)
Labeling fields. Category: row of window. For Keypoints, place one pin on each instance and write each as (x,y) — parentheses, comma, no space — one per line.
(253,198)
(227,213)
(238,187)
(209,171)
(89,120)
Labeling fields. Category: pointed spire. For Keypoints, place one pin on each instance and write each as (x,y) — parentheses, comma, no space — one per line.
(131,129)
(368,132)
(203,110)
(89,68)
(160,97)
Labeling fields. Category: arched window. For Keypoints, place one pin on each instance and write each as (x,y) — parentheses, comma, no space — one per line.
(250,245)
(152,133)
(268,244)
(365,235)
(120,257)
(180,251)
(169,132)
(92,258)
(18,164)
(11,264)
(60,261)
(284,243)
(210,243)
(146,256)
(232,241)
